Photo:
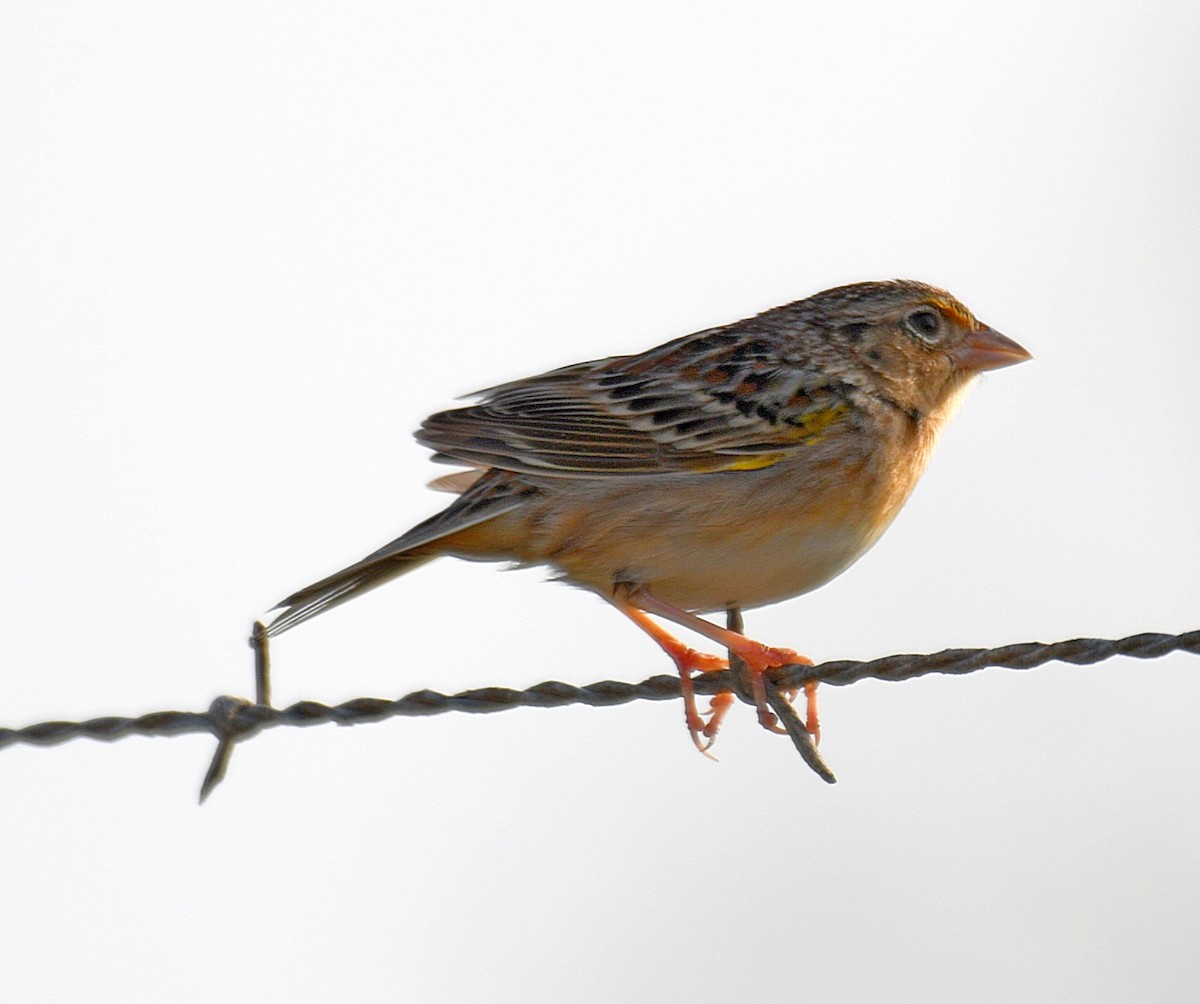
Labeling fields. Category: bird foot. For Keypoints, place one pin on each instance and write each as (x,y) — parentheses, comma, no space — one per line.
(689,661)
(759,659)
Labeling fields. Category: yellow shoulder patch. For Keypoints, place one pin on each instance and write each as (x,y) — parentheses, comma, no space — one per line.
(753,463)
(801,430)
(811,426)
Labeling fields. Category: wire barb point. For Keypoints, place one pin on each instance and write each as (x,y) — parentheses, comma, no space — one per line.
(262,663)
(229,726)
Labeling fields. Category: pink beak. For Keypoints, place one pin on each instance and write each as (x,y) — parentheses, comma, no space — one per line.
(985,349)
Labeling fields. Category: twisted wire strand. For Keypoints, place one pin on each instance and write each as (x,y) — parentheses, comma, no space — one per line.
(236,718)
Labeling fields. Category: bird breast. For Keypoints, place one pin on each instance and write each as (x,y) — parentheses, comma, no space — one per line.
(707,541)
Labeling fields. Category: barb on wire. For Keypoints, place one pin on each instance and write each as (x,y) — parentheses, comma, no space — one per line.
(233,719)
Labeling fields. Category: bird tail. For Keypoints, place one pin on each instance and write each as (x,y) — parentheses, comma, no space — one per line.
(338,588)
(486,499)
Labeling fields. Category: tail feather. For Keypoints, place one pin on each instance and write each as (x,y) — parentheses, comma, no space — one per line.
(486,499)
(338,588)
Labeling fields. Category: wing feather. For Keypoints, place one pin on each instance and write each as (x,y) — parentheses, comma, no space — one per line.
(720,400)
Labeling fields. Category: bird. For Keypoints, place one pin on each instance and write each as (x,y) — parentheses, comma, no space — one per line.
(728,469)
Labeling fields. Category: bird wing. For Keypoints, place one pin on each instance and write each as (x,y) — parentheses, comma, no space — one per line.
(720,400)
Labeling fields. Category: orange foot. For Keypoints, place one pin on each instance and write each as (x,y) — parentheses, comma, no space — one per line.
(720,704)
(637,603)
(759,659)
(688,661)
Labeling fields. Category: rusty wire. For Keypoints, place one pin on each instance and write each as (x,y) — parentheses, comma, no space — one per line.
(233,719)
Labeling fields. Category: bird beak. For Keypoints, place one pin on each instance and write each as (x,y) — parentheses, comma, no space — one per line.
(985,349)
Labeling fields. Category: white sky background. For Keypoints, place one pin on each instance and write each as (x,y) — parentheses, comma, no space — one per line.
(247,247)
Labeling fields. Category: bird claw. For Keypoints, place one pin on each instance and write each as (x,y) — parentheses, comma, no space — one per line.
(812,718)
(768,720)
(720,704)
(704,733)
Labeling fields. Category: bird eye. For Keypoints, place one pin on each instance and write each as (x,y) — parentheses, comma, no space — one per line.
(925,324)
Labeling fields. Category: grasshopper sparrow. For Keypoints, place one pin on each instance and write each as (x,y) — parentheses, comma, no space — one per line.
(735,467)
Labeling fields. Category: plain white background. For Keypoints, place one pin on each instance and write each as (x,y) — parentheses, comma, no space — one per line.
(246,247)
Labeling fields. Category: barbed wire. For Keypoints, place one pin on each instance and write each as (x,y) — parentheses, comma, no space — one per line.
(235,719)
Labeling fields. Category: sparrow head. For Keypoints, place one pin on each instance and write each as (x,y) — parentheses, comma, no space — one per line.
(920,343)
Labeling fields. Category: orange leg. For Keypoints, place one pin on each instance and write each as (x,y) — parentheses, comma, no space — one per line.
(758,658)
(687,660)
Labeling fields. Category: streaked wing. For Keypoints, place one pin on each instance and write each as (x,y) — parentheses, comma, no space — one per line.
(724,399)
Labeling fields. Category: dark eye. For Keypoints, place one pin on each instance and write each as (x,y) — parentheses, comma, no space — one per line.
(925,324)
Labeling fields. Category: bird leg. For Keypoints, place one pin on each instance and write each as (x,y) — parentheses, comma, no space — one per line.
(687,660)
(759,658)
